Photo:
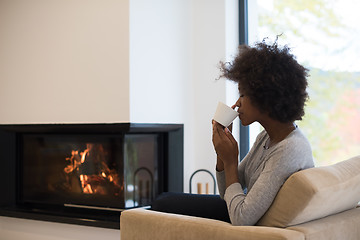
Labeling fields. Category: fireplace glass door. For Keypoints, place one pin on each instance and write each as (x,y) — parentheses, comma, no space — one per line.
(106,171)
(141,169)
(72,169)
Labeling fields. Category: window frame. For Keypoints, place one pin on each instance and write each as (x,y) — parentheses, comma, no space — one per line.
(244,144)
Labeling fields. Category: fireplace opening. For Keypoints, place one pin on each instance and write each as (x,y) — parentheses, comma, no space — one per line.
(88,173)
(71,170)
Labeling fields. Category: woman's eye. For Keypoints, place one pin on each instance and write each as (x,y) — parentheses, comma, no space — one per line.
(241,95)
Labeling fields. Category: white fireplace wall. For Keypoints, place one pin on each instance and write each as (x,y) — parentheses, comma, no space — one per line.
(114,61)
(175,48)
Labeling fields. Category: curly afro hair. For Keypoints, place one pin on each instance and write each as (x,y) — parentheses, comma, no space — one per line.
(272,79)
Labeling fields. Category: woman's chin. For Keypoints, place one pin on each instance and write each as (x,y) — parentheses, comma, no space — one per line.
(245,123)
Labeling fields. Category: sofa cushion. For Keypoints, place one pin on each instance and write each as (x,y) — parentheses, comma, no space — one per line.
(144,224)
(344,225)
(315,193)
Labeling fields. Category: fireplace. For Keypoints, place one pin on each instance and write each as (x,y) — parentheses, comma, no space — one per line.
(87,173)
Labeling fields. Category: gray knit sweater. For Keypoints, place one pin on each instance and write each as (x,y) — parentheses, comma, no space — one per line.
(261,174)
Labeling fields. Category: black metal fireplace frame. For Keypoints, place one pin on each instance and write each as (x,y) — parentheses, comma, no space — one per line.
(170,168)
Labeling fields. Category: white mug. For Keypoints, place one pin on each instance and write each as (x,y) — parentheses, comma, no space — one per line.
(224,114)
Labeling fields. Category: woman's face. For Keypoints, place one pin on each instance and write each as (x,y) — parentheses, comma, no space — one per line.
(248,113)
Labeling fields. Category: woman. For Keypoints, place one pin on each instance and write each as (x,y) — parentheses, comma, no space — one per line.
(272,87)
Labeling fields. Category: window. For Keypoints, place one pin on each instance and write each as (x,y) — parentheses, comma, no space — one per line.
(323,35)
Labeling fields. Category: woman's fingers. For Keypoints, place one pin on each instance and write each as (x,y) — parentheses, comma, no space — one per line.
(216,131)
(230,136)
(230,127)
(219,135)
(224,143)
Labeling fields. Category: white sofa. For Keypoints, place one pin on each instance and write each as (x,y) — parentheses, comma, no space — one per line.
(313,204)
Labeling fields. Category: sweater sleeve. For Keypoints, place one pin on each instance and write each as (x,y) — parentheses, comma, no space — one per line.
(221,182)
(220,178)
(248,209)
(277,167)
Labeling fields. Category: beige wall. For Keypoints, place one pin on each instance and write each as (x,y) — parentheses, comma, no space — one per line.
(64,61)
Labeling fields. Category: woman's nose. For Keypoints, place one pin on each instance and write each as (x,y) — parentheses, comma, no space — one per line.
(238,103)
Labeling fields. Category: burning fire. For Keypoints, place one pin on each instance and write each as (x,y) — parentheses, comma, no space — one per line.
(89,173)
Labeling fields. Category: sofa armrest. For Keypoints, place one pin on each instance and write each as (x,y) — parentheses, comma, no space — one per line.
(141,224)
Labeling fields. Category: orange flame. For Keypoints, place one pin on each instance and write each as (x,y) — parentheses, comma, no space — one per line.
(96,182)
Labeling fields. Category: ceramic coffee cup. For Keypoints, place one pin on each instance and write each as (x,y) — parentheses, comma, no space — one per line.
(224,114)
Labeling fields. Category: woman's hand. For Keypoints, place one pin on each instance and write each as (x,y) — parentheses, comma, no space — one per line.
(225,146)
